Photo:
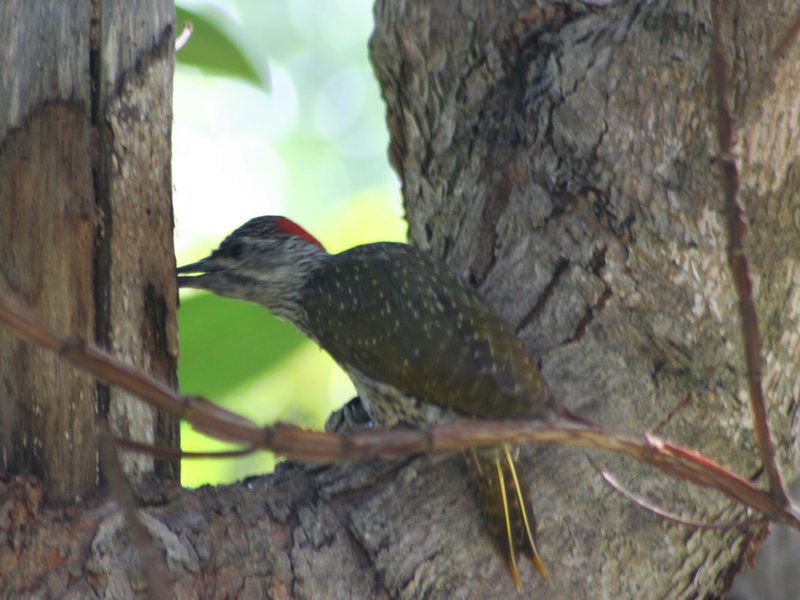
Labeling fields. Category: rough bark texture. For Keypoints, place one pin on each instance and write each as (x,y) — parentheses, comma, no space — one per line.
(136,260)
(85,224)
(562,161)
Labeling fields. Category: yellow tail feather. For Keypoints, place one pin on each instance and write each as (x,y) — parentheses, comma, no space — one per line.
(506,504)
(512,552)
(536,558)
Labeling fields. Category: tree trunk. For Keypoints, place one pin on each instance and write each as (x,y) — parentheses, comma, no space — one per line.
(562,160)
(85,225)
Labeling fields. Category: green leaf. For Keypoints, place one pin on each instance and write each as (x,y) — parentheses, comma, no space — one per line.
(212,48)
(227,342)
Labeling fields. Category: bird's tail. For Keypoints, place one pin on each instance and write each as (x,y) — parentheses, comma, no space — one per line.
(506,503)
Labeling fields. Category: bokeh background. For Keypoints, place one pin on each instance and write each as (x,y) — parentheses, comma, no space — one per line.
(276,112)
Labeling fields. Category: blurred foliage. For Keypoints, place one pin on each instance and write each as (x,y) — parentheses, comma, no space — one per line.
(212,49)
(215,330)
(311,147)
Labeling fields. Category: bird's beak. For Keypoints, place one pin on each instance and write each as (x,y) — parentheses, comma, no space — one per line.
(196,275)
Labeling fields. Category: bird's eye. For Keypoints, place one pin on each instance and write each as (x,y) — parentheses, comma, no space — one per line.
(236,250)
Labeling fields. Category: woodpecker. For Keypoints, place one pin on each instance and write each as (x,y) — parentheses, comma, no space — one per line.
(418,344)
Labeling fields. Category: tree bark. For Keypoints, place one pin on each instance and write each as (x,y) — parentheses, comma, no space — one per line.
(47,241)
(562,160)
(86,227)
(135,265)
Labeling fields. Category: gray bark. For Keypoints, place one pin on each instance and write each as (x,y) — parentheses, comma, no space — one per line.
(562,161)
(564,166)
(136,262)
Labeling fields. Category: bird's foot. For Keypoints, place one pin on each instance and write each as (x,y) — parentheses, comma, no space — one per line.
(352,416)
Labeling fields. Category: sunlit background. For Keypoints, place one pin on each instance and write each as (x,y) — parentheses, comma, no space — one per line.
(276,112)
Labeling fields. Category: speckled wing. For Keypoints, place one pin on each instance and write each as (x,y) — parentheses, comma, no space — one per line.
(403,318)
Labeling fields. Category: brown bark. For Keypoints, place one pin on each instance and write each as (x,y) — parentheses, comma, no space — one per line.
(46,243)
(86,227)
(562,161)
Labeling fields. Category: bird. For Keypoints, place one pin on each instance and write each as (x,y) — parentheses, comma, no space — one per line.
(418,343)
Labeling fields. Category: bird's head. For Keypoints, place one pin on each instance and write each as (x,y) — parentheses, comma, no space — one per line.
(266,260)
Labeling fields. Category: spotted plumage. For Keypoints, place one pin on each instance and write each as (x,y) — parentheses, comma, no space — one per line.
(418,344)
(454,351)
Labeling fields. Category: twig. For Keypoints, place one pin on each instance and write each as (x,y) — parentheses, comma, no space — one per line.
(668,416)
(302,444)
(651,507)
(204,415)
(562,411)
(765,82)
(737,262)
(183,38)
(123,496)
(459,435)
(789,38)
(167,452)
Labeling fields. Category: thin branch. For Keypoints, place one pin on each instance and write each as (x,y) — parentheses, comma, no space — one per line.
(670,414)
(737,261)
(786,42)
(123,495)
(674,460)
(302,444)
(202,414)
(562,411)
(645,504)
(183,38)
(176,453)
(764,84)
